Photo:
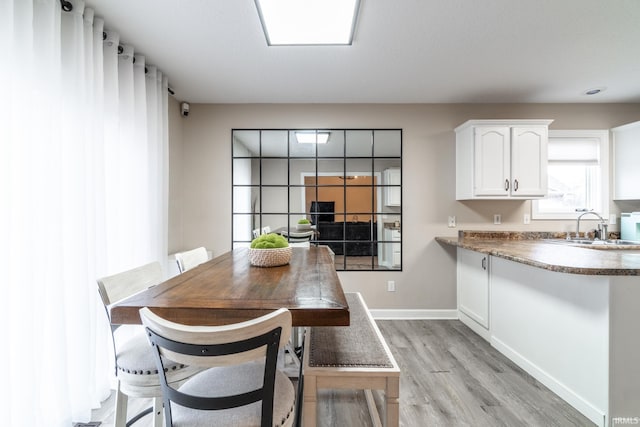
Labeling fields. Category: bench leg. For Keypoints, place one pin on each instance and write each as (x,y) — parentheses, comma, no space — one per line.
(309,407)
(392,402)
(373,411)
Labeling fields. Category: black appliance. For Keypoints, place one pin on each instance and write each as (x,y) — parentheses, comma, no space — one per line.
(322,212)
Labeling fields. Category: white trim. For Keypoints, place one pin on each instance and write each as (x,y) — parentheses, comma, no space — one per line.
(418,314)
(596,415)
(506,122)
(603,137)
(475,326)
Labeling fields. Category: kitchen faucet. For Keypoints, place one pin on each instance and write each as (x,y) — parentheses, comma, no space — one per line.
(602,226)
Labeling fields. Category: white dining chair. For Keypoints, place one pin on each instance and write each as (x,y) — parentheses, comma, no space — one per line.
(300,236)
(188,259)
(241,386)
(136,372)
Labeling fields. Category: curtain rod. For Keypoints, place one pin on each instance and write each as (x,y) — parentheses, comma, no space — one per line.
(67,6)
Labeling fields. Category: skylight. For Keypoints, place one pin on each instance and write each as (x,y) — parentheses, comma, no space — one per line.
(308,22)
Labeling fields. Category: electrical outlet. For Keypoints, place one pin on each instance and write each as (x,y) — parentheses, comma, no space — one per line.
(452,222)
(497,219)
(526,218)
(391,286)
(612,219)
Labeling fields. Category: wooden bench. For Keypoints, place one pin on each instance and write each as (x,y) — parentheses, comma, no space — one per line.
(351,357)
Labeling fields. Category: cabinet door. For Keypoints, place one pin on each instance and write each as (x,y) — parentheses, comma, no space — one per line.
(626,151)
(473,285)
(392,194)
(390,252)
(397,257)
(491,152)
(529,161)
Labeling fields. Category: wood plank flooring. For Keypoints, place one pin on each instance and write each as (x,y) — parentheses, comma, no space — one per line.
(450,377)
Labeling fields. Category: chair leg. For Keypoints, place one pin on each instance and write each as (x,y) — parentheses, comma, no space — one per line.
(292,352)
(120,419)
(157,412)
(300,390)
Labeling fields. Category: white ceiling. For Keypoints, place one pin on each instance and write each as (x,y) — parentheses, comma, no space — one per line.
(404,51)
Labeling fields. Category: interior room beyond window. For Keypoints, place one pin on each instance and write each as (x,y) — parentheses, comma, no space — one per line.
(348,186)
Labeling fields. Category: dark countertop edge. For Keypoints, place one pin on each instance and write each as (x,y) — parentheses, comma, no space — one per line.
(476,244)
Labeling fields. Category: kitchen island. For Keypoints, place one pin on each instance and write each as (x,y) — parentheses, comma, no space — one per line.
(566,314)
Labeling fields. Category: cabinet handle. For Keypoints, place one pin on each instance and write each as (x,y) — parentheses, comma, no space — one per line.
(484,263)
(506,185)
(515,185)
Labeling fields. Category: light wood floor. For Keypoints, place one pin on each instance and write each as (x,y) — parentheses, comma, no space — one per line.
(450,377)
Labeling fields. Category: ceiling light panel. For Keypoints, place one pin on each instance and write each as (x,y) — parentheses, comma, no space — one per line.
(311,137)
(308,22)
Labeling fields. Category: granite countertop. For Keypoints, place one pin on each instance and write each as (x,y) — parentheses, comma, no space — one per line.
(532,249)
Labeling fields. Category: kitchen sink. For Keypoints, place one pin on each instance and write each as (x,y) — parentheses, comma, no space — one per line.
(580,242)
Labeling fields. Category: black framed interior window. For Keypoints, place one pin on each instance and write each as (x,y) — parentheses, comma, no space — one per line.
(347,183)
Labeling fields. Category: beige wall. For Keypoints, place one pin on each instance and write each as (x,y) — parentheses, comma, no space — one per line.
(200,181)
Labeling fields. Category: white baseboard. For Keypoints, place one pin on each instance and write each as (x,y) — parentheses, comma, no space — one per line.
(475,326)
(390,314)
(596,415)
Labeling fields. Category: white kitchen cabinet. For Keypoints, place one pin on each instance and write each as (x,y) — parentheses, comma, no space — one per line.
(391,254)
(501,159)
(626,152)
(560,328)
(392,194)
(569,331)
(473,290)
(396,257)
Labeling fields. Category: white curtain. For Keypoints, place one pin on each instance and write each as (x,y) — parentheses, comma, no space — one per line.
(83,194)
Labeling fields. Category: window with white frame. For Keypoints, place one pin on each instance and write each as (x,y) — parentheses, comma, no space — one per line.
(578,173)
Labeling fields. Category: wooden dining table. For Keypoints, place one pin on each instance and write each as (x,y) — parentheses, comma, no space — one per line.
(228,289)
